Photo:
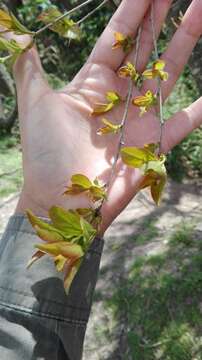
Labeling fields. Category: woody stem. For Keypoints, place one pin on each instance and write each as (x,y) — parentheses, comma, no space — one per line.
(159,88)
(125,115)
(67,13)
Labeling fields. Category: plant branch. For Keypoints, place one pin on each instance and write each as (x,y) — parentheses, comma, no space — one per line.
(92,12)
(67,13)
(159,89)
(125,115)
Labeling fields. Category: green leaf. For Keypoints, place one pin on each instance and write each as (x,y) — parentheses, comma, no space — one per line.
(72,270)
(68,250)
(109,128)
(113,97)
(49,236)
(102,109)
(10,45)
(88,231)
(136,157)
(67,221)
(81,180)
(80,184)
(35,221)
(11,23)
(65,27)
(14,49)
(17,27)
(157,189)
(5,19)
(157,166)
(125,42)
(97,193)
(60,262)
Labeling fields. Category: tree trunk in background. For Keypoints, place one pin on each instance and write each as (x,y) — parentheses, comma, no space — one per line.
(6,89)
(12,4)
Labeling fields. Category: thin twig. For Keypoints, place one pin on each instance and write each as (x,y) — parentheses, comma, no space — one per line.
(159,89)
(67,13)
(92,12)
(125,115)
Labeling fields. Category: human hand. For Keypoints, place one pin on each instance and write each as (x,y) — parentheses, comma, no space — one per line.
(58,134)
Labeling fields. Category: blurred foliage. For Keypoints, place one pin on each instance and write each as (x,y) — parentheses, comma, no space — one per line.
(62,57)
(185,158)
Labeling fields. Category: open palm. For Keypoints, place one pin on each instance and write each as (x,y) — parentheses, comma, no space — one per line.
(59,135)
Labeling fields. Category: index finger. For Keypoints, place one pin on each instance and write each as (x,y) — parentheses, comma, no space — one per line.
(126,20)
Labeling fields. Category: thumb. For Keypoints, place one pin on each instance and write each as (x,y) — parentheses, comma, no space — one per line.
(28,72)
(29,76)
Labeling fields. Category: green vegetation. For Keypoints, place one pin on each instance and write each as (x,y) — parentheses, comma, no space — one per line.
(161,301)
(10,166)
(185,158)
(149,233)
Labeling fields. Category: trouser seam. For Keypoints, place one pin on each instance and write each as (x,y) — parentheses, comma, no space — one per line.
(25,310)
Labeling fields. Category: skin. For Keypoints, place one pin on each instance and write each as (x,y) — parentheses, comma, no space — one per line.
(58,134)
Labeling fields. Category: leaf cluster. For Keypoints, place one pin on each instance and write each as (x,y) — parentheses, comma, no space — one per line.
(67,238)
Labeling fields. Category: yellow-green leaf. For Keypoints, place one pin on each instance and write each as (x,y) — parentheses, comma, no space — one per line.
(49,236)
(109,128)
(65,27)
(68,250)
(157,165)
(156,183)
(136,157)
(91,216)
(145,101)
(157,71)
(5,19)
(17,27)
(60,262)
(129,70)
(122,41)
(81,180)
(67,221)
(13,48)
(88,231)
(93,189)
(10,45)
(11,23)
(72,270)
(102,108)
(36,222)
(113,99)
(157,188)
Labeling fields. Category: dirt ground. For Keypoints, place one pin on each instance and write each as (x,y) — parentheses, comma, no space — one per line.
(182,202)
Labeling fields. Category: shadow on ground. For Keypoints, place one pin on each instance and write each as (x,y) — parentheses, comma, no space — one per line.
(150,289)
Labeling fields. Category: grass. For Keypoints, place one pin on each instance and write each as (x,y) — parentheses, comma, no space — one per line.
(10,160)
(161,300)
(149,232)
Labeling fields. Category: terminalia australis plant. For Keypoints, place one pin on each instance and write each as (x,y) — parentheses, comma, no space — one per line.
(69,233)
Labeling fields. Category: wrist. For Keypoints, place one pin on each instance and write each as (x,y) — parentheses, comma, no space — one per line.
(41,209)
